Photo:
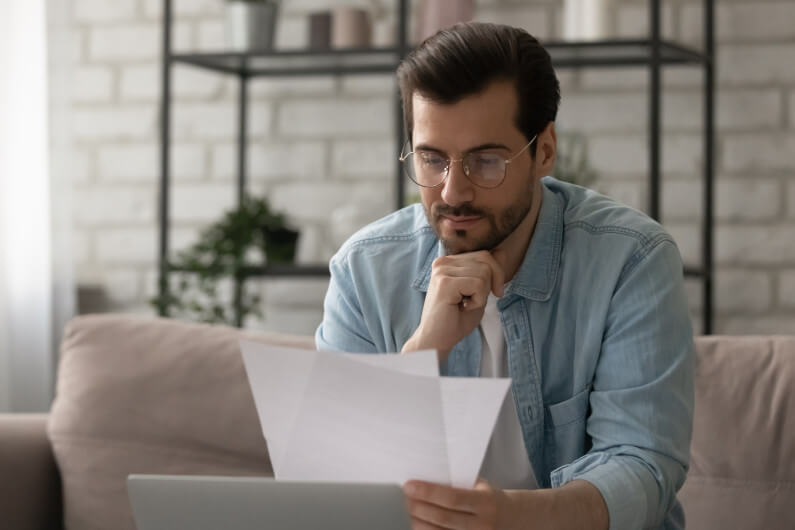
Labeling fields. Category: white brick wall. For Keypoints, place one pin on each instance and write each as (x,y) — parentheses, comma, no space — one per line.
(312,119)
(744,21)
(743,291)
(114,123)
(115,206)
(137,41)
(98,11)
(369,159)
(756,64)
(770,245)
(786,293)
(748,200)
(756,153)
(791,199)
(201,203)
(128,162)
(92,85)
(321,146)
(601,113)
(305,160)
(217,121)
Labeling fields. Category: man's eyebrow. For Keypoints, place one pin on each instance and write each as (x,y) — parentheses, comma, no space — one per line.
(481,147)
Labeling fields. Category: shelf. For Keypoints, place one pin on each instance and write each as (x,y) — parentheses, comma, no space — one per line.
(694,272)
(385,60)
(295,270)
(295,62)
(619,53)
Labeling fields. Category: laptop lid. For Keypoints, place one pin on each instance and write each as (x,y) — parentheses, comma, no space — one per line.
(171,502)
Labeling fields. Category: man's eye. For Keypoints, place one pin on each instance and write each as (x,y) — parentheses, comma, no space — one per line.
(485,161)
(430,161)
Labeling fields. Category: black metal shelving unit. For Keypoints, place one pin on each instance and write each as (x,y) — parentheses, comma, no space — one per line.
(653,53)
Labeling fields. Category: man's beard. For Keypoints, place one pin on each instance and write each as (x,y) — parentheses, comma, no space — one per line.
(501,224)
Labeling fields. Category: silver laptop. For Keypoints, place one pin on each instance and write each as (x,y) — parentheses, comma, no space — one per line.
(171,502)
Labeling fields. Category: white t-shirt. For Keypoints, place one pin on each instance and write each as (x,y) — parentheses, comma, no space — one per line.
(505,465)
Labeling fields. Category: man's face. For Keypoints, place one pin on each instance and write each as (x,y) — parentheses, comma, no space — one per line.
(465,217)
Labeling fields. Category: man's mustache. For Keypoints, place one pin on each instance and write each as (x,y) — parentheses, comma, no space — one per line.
(464,210)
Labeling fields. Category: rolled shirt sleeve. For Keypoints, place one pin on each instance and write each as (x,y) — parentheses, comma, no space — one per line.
(641,402)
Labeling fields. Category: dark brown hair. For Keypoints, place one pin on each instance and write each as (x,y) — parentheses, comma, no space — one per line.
(464,59)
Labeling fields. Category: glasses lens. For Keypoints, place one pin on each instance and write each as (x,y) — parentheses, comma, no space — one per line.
(485,169)
(426,169)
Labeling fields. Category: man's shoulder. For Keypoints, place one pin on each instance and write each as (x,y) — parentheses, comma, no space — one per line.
(589,212)
(406,229)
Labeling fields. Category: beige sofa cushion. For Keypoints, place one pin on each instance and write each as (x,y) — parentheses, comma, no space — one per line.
(143,395)
(742,472)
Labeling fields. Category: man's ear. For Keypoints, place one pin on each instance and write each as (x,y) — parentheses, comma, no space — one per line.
(547,149)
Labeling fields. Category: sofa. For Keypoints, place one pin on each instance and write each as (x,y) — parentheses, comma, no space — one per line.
(148,395)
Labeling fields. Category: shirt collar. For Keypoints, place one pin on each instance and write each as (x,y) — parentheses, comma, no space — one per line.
(538,273)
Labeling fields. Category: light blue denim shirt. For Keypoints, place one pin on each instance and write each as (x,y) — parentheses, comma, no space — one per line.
(599,340)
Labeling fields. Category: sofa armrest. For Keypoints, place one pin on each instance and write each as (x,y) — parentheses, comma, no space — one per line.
(30,486)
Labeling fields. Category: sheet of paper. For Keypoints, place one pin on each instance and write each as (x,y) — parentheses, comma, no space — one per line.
(370,418)
(469,406)
(361,423)
(424,362)
(278,377)
(281,374)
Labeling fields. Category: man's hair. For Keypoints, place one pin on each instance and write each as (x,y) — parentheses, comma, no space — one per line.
(463,60)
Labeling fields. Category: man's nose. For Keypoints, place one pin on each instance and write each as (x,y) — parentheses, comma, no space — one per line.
(457,188)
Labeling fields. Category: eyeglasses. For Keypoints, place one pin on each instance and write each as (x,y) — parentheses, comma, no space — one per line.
(430,169)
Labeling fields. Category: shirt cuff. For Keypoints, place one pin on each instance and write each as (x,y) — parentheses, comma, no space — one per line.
(624,491)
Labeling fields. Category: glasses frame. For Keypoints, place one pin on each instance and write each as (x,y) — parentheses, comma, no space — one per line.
(450,161)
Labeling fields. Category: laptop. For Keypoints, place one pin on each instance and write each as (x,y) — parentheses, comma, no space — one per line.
(179,502)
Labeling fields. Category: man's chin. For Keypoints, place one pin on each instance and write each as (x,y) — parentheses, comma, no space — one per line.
(461,243)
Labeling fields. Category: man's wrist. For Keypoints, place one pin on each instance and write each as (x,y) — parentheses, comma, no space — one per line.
(577,505)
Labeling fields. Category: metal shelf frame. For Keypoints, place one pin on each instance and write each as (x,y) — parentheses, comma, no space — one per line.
(653,53)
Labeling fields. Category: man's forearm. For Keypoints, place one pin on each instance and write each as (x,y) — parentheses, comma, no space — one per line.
(578,505)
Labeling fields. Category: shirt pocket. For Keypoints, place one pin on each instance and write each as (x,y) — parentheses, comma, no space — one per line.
(565,429)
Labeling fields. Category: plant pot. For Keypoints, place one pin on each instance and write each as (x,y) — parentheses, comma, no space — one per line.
(280,245)
(250,25)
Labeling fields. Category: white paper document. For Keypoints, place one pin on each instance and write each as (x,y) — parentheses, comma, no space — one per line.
(337,417)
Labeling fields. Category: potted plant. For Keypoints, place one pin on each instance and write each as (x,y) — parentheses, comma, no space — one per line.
(250,24)
(235,241)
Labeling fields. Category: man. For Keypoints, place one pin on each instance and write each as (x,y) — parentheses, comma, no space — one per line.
(577,298)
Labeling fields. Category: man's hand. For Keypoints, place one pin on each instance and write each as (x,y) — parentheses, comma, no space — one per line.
(434,506)
(459,288)
(578,505)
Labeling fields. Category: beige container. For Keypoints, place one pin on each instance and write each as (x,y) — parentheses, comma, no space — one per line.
(434,15)
(351,27)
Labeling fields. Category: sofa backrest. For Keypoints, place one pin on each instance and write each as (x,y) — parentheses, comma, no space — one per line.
(144,395)
(742,471)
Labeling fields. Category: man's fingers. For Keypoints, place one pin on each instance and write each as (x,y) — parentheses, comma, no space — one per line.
(437,516)
(456,499)
(481,264)
(457,290)
(471,268)
(482,484)
(419,524)
(497,269)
